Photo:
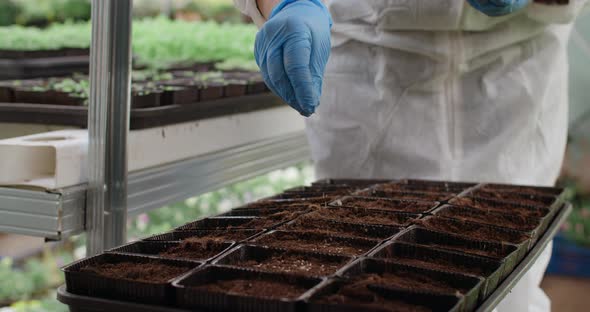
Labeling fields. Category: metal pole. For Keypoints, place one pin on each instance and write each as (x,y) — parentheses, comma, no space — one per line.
(108,124)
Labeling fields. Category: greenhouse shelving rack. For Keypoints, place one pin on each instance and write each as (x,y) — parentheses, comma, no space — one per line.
(59,213)
(101,205)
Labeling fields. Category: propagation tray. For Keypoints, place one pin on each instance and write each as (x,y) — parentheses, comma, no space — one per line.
(225,264)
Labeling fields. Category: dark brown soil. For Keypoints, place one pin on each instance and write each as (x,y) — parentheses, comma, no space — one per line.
(496,254)
(254,288)
(401,187)
(522,199)
(323,244)
(219,236)
(410,281)
(498,207)
(492,218)
(323,226)
(293,263)
(405,195)
(194,250)
(269,204)
(473,231)
(384,204)
(271,220)
(358,294)
(362,216)
(521,189)
(440,264)
(147,272)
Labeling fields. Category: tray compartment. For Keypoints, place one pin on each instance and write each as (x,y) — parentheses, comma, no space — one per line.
(453,243)
(517,198)
(81,282)
(217,223)
(189,251)
(346,296)
(330,227)
(500,207)
(519,223)
(366,216)
(396,276)
(385,204)
(227,235)
(314,242)
(283,260)
(405,195)
(415,255)
(231,289)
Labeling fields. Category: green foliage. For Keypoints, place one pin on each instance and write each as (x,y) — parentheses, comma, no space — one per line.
(8,12)
(577,227)
(47,304)
(43,12)
(157,42)
(35,277)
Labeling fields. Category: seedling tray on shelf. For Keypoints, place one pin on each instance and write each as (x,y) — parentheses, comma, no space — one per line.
(366,216)
(141,118)
(43,66)
(324,270)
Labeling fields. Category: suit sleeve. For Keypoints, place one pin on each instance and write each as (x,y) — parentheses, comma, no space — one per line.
(551,12)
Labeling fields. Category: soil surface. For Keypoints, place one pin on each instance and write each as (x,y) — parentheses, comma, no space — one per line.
(271,220)
(195,250)
(404,195)
(492,253)
(293,263)
(492,218)
(358,294)
(323,226)
(323,244)
(440,264)
(147,272)
(362,216)
(219,236)
(521,189)
(473,231)
(436,188)
(499,207)
(522,199)
(286,205)
(254,288)
(384,204)
(410,281)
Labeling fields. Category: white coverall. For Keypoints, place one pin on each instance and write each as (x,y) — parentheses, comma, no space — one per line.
(435,89)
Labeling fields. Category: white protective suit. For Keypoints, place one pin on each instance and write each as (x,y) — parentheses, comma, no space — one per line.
(435,89)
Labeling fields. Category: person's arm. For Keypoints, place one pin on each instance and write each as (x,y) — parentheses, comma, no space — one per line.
(556,12)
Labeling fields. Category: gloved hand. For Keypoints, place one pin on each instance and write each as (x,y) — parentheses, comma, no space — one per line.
(292,50)
(498,7)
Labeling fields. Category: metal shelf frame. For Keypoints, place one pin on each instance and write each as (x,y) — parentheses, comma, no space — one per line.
(60,213)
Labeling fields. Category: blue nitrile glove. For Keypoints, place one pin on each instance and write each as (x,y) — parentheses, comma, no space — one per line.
(498,7)
(292,50)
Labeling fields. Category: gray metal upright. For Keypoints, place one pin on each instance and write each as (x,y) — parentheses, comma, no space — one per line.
(108,124)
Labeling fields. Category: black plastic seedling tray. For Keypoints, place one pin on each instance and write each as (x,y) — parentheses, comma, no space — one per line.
(90,284)
(378,297)
(189,296)
(409,206)
(356,246)
(490,269)
(254,257)
(156,248)
(233,235)
(405,195)
(454,243)
(217,223)
(366,216)
(344,229)
(140,118)
(525,224)
(522,240)
(468,286)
